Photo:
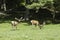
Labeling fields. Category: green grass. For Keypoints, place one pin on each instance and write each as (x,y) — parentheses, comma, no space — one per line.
(29,32)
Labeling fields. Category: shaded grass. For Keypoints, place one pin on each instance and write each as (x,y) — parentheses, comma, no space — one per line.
(29,32)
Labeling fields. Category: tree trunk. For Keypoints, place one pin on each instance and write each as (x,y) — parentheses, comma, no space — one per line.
(3,6)
(53,16)
(27,14)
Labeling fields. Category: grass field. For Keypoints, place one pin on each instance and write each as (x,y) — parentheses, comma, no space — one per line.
(29,32)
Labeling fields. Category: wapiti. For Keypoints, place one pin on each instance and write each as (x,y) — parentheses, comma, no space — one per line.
(15,22)
(36,23)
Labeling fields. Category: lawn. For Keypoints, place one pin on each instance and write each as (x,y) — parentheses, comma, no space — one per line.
(29,32)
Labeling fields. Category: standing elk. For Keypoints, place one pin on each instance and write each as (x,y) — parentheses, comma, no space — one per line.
(36,23)
(15,22)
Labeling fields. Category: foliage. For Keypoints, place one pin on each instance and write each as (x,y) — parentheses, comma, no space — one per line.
(39,4)
(13,6)
(57,4)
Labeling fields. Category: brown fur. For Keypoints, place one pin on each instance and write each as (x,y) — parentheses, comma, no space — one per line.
(15,22)
(36,23)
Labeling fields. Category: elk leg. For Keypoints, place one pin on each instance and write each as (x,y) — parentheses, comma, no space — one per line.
(32,24)
(16,27)
(41,26)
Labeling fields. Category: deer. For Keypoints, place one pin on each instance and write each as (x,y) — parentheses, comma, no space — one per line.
(36,23)
(15,22)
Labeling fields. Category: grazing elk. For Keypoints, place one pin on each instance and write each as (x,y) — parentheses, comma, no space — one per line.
(36,23)
(15,22)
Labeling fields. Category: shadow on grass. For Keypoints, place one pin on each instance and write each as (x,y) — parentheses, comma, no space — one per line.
(1,37)
(14,29)
(26,23)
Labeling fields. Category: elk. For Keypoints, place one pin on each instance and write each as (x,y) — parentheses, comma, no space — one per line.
(15,22)
(36,23)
